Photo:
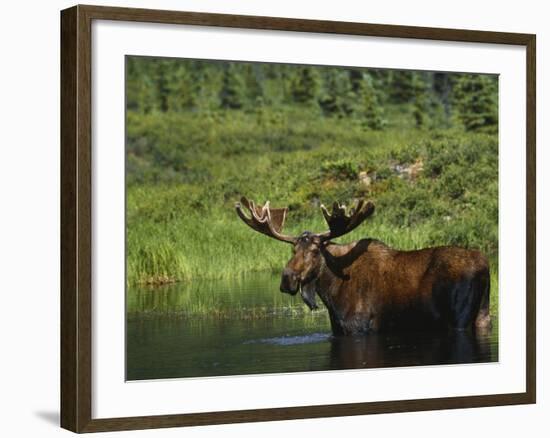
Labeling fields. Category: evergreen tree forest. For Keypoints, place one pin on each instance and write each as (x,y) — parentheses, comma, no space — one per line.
(432,100)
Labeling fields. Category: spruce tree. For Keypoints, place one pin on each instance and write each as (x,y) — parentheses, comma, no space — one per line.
(254,79)
(232,89)
(370,108)
(442,88)
(401,86)
(337,95)
(162,82)
(475,97)
(421,102)
(184,88)
(305,85)
(140,86)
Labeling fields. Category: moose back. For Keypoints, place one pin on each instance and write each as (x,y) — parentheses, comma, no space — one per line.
(368,286)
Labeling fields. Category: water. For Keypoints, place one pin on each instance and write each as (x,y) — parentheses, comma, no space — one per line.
(246,326)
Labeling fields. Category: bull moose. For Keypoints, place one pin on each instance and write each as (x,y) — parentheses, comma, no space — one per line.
(368,286)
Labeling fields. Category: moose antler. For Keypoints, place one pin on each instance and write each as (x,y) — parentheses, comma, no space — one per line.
(340,223)
(266,220)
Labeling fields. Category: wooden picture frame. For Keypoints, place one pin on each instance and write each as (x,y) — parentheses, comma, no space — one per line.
(76,217)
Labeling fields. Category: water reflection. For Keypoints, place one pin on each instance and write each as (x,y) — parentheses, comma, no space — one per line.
(248,327)
(410,349)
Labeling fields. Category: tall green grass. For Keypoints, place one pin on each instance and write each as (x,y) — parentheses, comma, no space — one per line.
(182,250)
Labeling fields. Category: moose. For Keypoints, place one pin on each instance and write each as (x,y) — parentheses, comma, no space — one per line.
(368,286)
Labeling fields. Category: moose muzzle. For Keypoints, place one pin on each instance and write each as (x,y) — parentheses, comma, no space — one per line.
(290,282)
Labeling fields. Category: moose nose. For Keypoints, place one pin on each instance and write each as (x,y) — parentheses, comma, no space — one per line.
(289,282)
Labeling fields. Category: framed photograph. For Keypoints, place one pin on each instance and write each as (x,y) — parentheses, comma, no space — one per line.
(269,218)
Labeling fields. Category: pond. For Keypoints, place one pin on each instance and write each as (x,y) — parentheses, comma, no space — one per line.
(246,326)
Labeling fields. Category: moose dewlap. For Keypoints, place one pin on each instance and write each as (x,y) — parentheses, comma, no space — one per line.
(368,286)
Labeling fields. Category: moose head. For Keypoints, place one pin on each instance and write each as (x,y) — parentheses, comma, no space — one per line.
(308,249)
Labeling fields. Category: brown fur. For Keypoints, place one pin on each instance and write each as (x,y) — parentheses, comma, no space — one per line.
(367,285)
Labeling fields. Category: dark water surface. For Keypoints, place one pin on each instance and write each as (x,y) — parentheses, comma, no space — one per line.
(247,326)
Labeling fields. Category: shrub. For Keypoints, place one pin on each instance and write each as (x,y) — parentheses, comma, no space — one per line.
(343,169)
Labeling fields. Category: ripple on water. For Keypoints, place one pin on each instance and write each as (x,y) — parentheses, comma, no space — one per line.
(292,340)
